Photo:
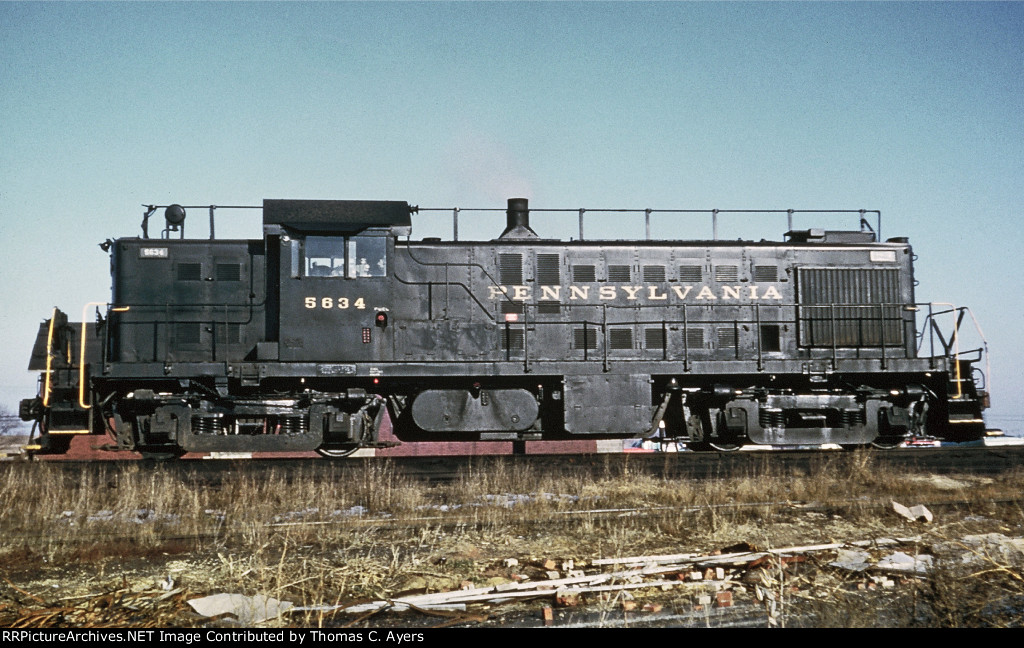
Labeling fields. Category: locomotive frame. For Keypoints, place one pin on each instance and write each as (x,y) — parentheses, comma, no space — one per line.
(304,339)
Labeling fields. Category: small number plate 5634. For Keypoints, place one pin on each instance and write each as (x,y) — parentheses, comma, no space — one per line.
(334,302)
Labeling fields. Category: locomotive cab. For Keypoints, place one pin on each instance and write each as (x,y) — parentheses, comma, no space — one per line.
(333,279)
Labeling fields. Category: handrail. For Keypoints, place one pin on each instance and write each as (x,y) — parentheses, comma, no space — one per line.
(446,284)
(446,264)
(886,318)
(49,359)
(81,356)
(595,318)
(930,323)
(647,212)
(81,350)
(150,209)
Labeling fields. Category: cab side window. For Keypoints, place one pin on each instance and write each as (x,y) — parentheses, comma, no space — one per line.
(325,256)
(367,256)
(344,256)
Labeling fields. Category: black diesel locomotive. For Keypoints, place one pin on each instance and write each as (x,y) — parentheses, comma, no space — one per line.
(304,339)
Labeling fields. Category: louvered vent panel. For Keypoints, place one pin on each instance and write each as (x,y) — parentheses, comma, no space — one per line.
(583,273)
(620,338)
(229,272)
(692,273)
(727,338)
(548,270)
(511,307)
(510,268)
(654,338)
(512,339)
(727,273)
(694,338)
(186,333)
(654,273)
(229,333)
(549,308)
(190,272)
(618,273)
(584,337)
(766,273)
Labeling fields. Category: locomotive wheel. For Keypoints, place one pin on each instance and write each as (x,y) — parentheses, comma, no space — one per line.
(718,445)
(724,445)
(154,456)
(337,452)
(886,443)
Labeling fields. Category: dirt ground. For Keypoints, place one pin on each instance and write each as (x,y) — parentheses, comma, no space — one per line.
(134,547)
(964,570)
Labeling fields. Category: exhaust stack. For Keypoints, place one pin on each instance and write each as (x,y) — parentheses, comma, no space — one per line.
(518,220)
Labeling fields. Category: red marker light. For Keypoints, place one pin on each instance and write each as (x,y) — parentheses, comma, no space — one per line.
(381,320)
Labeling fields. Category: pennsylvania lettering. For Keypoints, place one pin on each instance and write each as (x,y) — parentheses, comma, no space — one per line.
(647,293)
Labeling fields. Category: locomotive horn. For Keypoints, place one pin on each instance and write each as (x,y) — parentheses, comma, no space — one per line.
(518,220)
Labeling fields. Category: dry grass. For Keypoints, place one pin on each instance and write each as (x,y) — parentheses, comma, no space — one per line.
(371,533)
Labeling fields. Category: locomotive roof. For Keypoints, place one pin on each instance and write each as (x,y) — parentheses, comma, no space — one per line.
(332,215)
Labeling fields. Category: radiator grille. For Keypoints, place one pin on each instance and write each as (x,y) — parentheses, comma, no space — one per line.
(849,307)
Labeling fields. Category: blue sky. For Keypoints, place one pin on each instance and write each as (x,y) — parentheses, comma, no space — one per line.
(916,109)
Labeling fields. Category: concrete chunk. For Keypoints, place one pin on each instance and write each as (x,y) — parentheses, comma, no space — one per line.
(851,560)
(247,609)
(917,513)
(902,562)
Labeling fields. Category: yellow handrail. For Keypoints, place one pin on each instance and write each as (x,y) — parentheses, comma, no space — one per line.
(81,357)
(49,359)
(81,351)
(956,346)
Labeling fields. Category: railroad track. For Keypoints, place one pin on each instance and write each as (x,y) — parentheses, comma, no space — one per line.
(686,465)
